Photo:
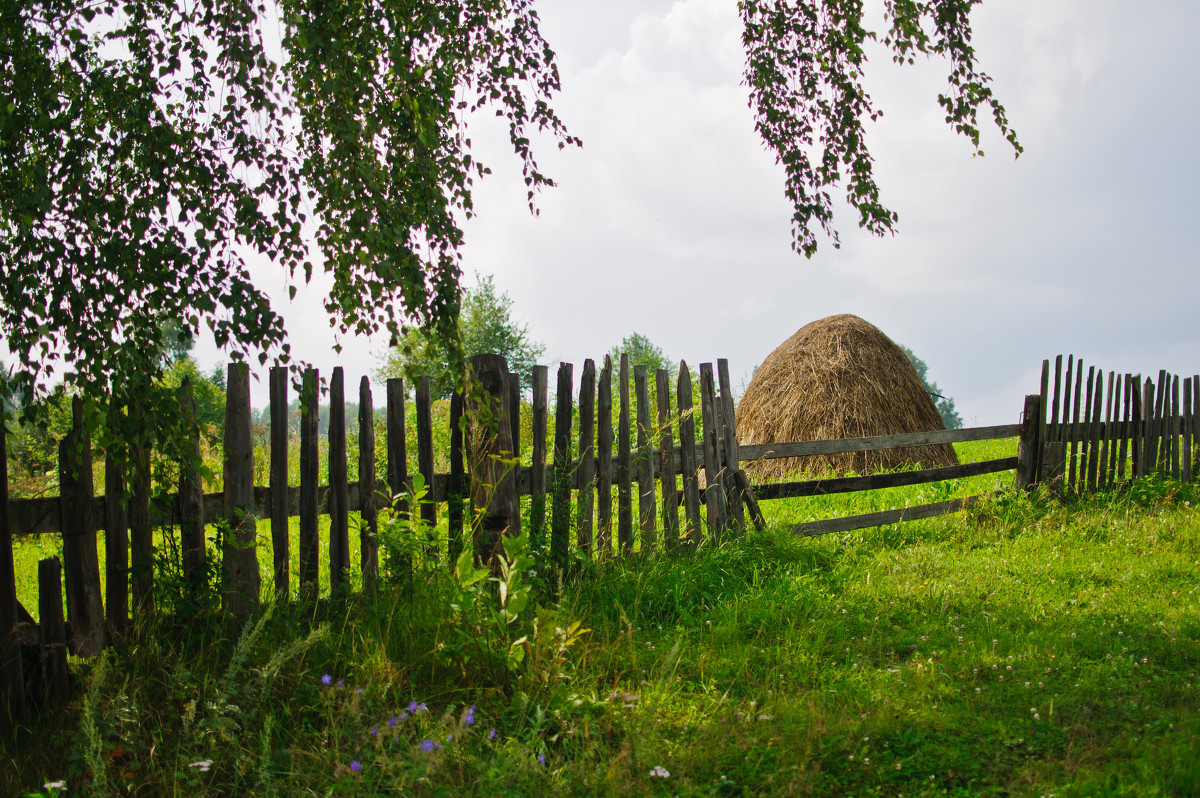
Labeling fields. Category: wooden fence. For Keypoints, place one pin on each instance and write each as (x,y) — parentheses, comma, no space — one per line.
(655,477)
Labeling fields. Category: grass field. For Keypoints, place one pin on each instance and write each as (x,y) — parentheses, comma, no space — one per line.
(1027,647)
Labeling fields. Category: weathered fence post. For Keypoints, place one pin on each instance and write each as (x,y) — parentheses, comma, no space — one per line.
(714,489)
(666,461)
(647,509)
(191,499)
(141,530)
(397,445)
(339,487)
(12,680)
(241,550)
(116,546)
(587,456)
(279,481)
(429,507)
(727,414)
(52,633)
(604,442)
(489,444)
(693,532)
(560,518)
(310,464)
(1027,445)
(368,529)
(537,468)
(624,463)
(454,488)
(82,564)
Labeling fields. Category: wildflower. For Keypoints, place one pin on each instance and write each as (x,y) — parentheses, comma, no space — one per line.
(429,745)
(469,718)
(327,680)
(414,707)
(492,734)
(541,759)
(204,765)
(355,766)
(659,772)
(374,730)
(392,720)
(60,785)
(340,683)
(358,691)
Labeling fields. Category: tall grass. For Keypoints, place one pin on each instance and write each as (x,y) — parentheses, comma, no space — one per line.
(1026,647)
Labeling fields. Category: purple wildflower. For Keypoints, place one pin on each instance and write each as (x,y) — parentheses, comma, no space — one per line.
(541,759)
(327,680)
(340,683)
(358,691)
(392,720)
(429,745)
(492,734)
(469,718)
(374,730)
(355,765)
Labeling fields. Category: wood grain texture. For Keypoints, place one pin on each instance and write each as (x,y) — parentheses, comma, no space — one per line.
(339,487)
(604,459)
(587,457)
(624,471)
(240,590)
(560,518)
(81,563)
(644,468)
(368,494)
(693,530)
(866,520)
(310,463)
(666,470)
(280,539)
(537,502)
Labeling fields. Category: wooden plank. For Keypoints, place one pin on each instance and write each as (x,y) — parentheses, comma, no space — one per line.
(368,526)
(1027,446)
(604,452)
(52,634)
(240,556)
(692,532)
(647,504)
(456,487)
(814,528)
(1174,426)
(714,492)
(1126,436)
(1137,427)
(280,539)
(560,518)
(1065,436)
(141,534)
(13,712)
(1108,447)
(587,457)
(429,507)
(537,499)
(514,411)
(1185,460)
(666,470)
(727,418)
(80,559)
(397,446)
(763,451)
(489,450)
(310,542)
(1076,430)
(1052,466)
(1048,470)
(339,487)
(116,538)
(1157,428)
(624,463)
(1086,434)
(1044,395)
(828,487)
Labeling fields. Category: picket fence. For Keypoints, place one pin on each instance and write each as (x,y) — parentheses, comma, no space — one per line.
(643,463)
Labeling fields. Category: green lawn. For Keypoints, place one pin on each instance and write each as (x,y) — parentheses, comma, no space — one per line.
(1027,647)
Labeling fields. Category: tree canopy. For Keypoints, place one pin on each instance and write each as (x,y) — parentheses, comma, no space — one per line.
(485,324)
(159,159)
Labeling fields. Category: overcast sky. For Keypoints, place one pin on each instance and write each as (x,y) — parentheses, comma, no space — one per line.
(671,220)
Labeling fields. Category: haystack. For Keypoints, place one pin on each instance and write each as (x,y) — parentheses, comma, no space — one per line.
(838,377)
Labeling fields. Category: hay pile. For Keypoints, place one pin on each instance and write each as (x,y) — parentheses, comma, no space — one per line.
(838,377)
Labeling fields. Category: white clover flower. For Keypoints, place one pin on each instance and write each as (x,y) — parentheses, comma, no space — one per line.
(60,785)
(204,765)
(659,772)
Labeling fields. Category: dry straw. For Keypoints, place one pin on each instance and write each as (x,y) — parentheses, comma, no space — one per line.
(838,377)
